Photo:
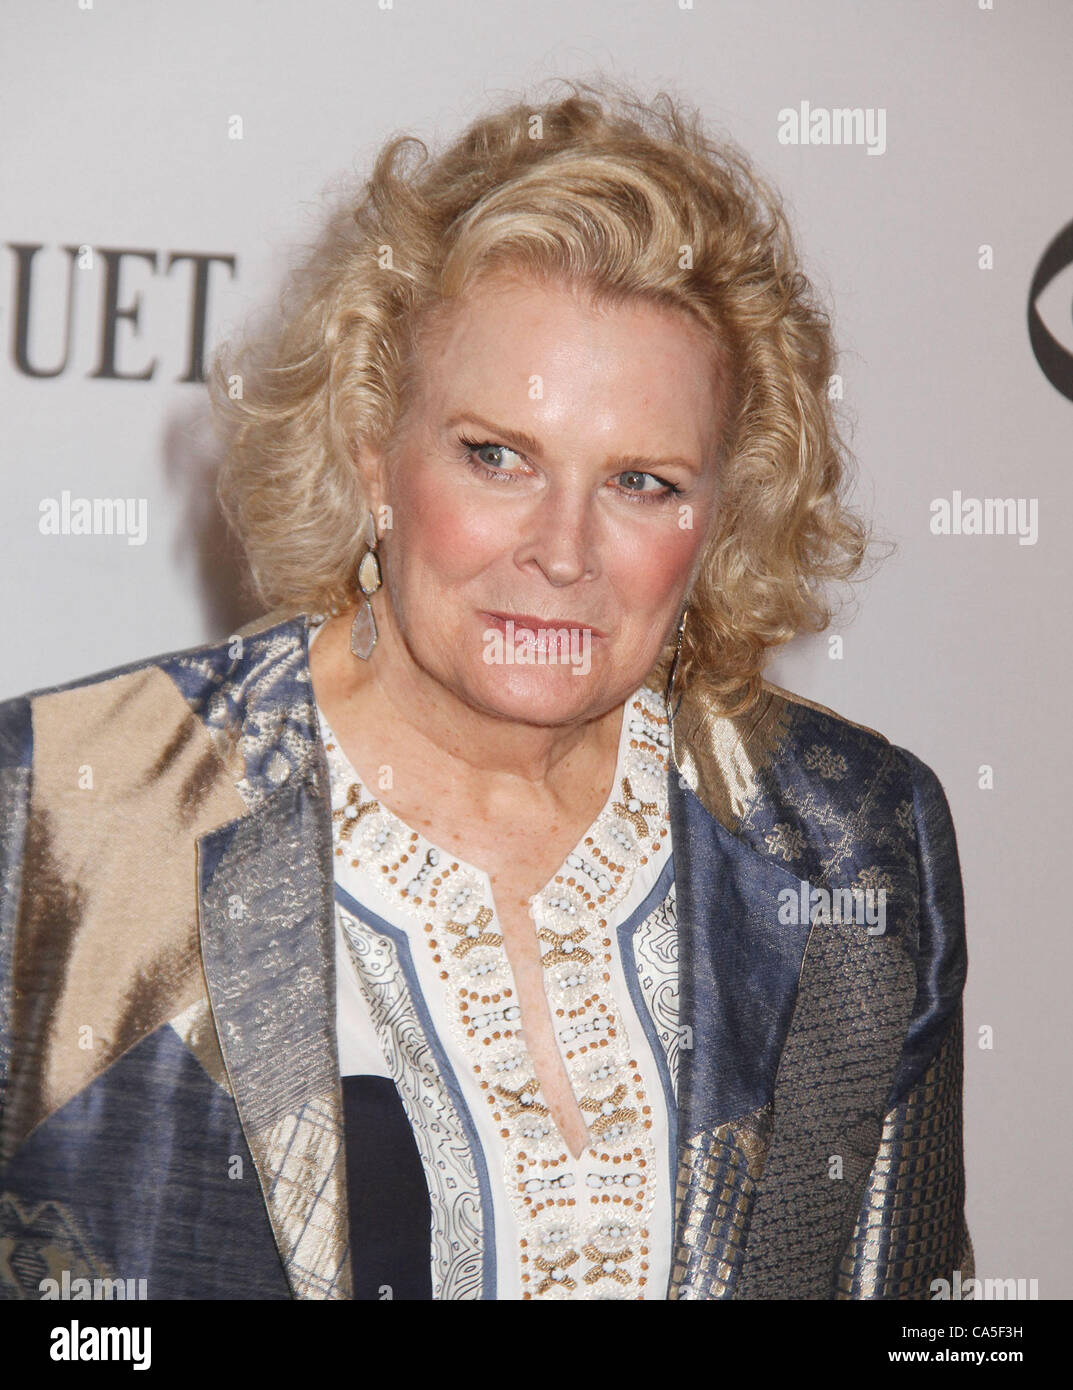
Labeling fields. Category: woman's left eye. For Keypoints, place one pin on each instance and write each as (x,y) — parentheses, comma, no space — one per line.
(491,459)
(646,485)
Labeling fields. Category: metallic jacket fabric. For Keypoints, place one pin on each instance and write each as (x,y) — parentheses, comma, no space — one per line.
(171,1105)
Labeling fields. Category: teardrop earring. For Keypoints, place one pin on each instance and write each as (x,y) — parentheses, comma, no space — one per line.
(669,692)
(363,633)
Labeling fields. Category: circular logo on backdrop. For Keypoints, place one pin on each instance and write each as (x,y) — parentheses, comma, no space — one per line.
(1054,358)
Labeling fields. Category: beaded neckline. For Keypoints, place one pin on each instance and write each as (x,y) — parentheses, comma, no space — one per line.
(584,1222)
(393,848)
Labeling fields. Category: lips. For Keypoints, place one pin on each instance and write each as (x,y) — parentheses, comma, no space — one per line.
(530,622)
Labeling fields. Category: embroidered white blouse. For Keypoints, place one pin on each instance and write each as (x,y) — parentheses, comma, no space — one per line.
(426,998)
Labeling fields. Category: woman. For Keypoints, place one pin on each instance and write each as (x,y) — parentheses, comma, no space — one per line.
(480,923)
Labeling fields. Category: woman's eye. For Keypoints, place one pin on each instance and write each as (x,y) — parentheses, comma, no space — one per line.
(494,456)
(642,482)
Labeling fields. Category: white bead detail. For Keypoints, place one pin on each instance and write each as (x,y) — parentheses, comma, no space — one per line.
(569,921)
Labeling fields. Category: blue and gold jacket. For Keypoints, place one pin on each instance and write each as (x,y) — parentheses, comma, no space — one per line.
(171,1103)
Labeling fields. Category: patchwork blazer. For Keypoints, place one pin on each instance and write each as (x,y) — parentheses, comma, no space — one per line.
(171,1101)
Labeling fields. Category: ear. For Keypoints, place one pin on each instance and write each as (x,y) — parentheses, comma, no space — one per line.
(371,463)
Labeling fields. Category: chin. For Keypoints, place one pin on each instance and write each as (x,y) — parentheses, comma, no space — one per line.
(538,695)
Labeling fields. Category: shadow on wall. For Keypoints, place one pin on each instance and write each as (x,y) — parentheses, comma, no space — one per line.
(207,553)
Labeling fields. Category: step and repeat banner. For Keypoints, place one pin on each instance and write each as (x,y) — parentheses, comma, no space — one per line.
(164,162)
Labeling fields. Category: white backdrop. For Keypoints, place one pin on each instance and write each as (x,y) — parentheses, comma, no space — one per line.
(118,118)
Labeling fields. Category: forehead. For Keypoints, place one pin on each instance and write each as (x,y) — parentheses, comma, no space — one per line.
(512,342)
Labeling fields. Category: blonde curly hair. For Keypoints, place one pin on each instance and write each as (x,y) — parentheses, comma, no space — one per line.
(629,200)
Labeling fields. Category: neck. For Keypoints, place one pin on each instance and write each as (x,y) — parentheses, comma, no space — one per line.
(435,726)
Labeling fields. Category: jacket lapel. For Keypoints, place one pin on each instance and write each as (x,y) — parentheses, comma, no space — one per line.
(266,926)
(779,1010)
(738,976)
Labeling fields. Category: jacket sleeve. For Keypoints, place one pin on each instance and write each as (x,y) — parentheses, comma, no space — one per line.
(16,742)
(911,1228)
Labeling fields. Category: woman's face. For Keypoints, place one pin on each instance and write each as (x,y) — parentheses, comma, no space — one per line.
(551,488)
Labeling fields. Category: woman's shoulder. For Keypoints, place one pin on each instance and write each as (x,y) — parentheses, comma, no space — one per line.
(262,660)
(785,726)
(790,761)
(808,718)
(858,743)
(779,696)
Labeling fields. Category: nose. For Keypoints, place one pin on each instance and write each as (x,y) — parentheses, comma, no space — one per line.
(559,537)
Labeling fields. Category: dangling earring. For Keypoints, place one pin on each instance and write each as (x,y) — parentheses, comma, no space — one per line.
(668,696)
(363,633)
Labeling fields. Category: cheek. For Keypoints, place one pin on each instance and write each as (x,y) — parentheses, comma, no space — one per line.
(444,537)
(649,567)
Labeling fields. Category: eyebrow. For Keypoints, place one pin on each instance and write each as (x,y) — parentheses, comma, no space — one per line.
(525,443)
